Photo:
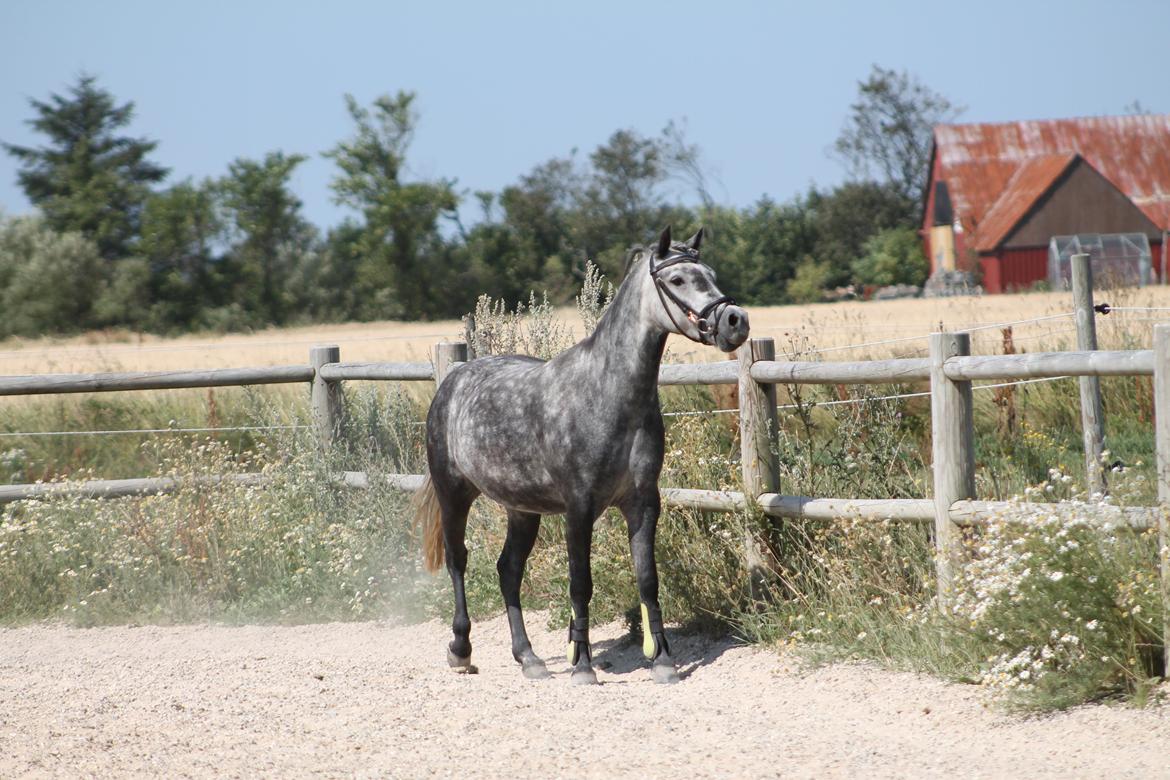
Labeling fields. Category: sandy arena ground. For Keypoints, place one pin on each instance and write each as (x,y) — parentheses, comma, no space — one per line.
(827,326)
(374,700)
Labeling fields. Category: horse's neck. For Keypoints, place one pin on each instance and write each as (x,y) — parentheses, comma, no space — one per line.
(625,345)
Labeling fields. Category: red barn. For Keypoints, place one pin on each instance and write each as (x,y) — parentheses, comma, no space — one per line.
(997,193)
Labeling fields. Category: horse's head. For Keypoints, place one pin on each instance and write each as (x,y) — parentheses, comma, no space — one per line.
(685,298)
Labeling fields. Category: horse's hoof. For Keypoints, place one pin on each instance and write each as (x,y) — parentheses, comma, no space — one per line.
(584,676)
(665,674)
(535,670)
(461,665)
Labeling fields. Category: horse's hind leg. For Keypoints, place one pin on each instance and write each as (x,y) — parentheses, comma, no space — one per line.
(455,506)
(522,531)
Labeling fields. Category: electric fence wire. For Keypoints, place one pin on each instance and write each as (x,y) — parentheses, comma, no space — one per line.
(119,431)
(851,401)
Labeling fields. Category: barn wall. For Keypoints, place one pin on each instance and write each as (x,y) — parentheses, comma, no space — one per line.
(928,215)
(962,262)
(1013,270)
(1023,267)
(1083,201)
(989,265)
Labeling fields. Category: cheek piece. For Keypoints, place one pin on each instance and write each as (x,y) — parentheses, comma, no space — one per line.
(706,320)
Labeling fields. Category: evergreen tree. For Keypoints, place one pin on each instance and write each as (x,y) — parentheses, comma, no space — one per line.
(88,178)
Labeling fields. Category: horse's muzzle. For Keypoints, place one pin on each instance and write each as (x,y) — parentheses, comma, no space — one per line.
(732,328)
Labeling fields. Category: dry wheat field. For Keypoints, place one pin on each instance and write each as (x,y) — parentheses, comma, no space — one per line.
(882,328)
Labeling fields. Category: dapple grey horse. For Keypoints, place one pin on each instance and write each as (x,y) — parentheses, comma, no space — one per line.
(572,436)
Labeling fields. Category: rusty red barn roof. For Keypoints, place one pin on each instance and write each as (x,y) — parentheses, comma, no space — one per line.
(1031,180)
(1018,161)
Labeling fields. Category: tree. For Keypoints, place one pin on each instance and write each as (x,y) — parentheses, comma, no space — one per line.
(538,233)
(181,230)
(889,130)
(330,291)
(406,261)
(893,256)
(684,161)
(757,250)
(620,202)
(88,178)
(539,205)
(271,236)
(845,218)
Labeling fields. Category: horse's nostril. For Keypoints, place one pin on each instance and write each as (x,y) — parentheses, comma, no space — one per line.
(732,320)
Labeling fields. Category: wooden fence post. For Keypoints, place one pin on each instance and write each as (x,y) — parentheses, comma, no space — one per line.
(1092,413)
(326,395)
(1162,446)
(757,422)
(758,442)
(952,432)
(446,354)
(469,335)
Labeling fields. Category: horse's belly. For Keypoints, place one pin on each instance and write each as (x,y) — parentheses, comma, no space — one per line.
(517,480)
(517,483)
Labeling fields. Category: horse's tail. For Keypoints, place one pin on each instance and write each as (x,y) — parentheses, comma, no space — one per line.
(428,523)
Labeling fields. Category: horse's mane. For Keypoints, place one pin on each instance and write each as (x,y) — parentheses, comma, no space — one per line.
(637,249)
(631,253)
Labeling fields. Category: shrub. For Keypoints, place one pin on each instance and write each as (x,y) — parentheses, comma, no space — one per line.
(892,256)
(46,278)
(809,282)
(1062,602)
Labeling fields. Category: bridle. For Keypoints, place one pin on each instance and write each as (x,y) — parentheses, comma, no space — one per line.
(707,326)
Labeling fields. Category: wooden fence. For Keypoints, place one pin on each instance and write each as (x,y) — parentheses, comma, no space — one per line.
(950,370)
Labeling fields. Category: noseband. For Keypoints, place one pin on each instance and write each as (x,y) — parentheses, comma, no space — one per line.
(708,327)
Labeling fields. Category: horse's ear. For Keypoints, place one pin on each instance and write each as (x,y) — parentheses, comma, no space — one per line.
(694,241)
(664,242)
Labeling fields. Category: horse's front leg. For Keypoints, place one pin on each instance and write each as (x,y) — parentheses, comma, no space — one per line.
(641,515)
(579,540)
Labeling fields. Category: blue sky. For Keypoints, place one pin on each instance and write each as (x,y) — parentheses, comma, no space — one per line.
(764,87)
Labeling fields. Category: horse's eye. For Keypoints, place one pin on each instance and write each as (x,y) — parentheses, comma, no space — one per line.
(677,281)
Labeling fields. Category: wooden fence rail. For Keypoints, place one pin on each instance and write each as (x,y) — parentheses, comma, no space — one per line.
(865,372)
(42,384)
(1039,365)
